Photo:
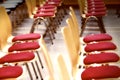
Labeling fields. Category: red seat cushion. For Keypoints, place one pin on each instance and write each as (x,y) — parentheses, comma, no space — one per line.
(24,46)
(100,72)
(47,7)
(96,6)
(97,37)
(44,14)
(31,36)
(102,57)
(56,3)
(10,72)
(46,10)
(96,3)
(17,57)
(96,10)
(98,14)
(100,46)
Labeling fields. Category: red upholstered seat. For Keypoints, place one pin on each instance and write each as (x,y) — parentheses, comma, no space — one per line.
(46,10)
(31,36)
(47,7)
(96,3)
(96,9)
(96,6)
(97,37)
(102,57)
(100,72)
(56,3)
(10,72)
(24,46)
(17,57)
(42,14)
(96,14)
(100,46)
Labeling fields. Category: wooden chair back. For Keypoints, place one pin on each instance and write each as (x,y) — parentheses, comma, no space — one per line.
(5,27)
(47,58)
(64,73)
(29,8)
(74,56)
(74,34)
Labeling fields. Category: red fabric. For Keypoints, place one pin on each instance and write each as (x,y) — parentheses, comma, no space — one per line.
(96,6)
(96,10)
(46,10)
(100,72)
(97,37)
(102,57)
(100,46)
(98,14)
(17,57)
(56,3)
(24,46)
(10,72)
(96,3)
(47,7)
(47,14)
(31,36)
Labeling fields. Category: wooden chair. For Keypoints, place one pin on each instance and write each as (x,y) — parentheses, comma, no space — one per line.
(63,71)
(78,43)
(88,38)
(77,59)
(6,30)
(86,15)
(38,17)
(47,58)
(74,51)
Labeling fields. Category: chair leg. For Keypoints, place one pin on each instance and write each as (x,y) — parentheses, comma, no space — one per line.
(101,25)
(26,64)
(39,59)
(83,26)
(39,70)
(34,70)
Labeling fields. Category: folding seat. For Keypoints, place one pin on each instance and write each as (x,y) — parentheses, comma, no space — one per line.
(100,46)
(76,31)
(102,57)
(10,72)
(101,72)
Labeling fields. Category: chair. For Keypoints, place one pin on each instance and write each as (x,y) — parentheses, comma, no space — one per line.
(47,58)
(74,55)
(96,15)
(101,72)
(89,47)
(98,72)
(63,71)
(38,17)
(10,72)
(6,29)
(88,38)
